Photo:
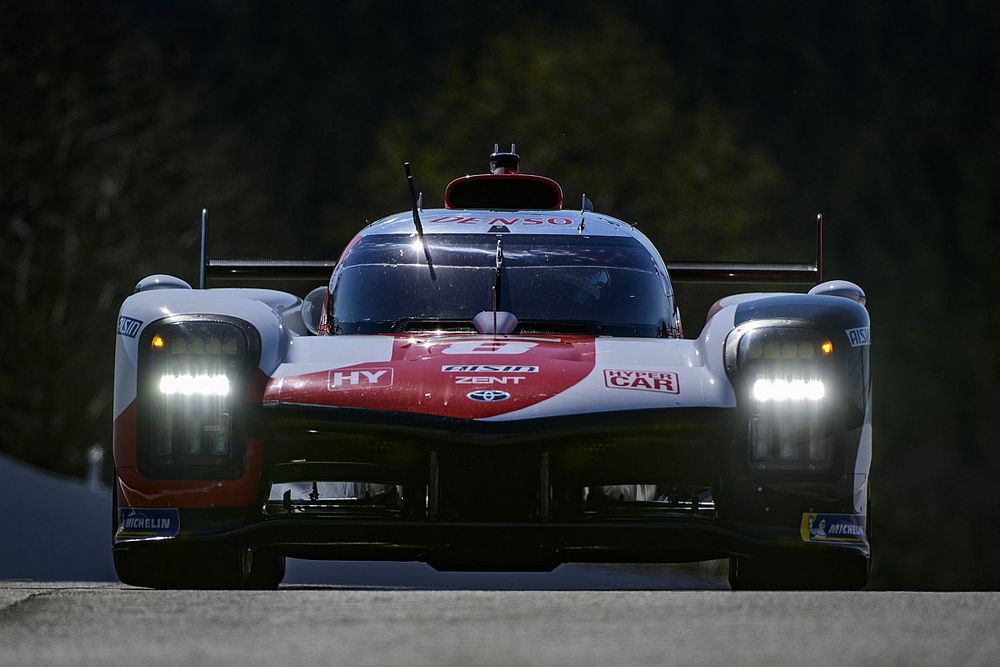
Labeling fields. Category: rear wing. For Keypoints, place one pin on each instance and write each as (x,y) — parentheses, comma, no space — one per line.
(753,272)
(296,276)
(745,272)
(300,276)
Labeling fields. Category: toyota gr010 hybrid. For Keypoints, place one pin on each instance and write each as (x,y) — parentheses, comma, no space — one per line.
(500,384)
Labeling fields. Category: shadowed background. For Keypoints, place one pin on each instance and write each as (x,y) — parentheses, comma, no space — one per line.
(721,129)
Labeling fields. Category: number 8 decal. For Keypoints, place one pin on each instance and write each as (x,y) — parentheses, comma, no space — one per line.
(489,347)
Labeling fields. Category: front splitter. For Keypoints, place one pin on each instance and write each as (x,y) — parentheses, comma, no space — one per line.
(664,541)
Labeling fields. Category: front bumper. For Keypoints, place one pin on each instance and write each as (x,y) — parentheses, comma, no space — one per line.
(508,502)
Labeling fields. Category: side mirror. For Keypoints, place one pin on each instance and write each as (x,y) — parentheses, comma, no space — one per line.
(160,281)
(843,288)
(312,309)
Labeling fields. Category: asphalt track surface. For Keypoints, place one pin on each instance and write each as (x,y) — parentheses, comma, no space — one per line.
(111,624)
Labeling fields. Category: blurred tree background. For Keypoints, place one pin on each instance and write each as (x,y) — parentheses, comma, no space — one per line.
(719,128)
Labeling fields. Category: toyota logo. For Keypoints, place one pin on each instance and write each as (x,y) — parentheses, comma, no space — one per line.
(488,395)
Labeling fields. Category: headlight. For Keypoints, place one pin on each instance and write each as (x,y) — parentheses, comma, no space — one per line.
(780,389)
(788,379)
(188,385)
(194,374)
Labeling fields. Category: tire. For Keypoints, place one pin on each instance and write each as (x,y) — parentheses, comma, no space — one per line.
(267,569)
(172,566)
(848,572)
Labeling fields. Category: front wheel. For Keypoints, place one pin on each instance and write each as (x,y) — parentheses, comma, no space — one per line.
(267,569)
(184,566)
(848,572)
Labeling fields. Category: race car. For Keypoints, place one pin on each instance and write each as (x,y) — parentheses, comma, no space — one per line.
(501,384)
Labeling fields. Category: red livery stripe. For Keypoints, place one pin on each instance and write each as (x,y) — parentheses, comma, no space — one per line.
(435,375)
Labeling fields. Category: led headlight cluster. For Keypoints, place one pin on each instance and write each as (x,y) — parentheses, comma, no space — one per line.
(787,374)
(193,372)
(781,389)
(188,385)
(757,346)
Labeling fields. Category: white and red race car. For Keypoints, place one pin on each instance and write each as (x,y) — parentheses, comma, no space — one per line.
(501,384)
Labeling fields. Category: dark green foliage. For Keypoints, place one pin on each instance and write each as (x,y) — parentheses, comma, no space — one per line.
(103,167)
(598,110)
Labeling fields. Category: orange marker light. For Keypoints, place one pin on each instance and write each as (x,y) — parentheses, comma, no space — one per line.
(827,347)
(158,342)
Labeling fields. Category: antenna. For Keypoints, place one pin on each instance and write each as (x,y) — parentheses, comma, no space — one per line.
(585,205)
(204,248)
(413,198)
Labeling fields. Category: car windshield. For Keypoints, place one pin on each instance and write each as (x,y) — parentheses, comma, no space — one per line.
(599,285)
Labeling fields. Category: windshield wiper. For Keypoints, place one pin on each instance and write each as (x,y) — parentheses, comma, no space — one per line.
(578,327)
(417,202)
(430,325)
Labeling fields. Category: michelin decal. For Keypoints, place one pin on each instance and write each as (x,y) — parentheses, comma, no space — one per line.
(150,522)
(844,528)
